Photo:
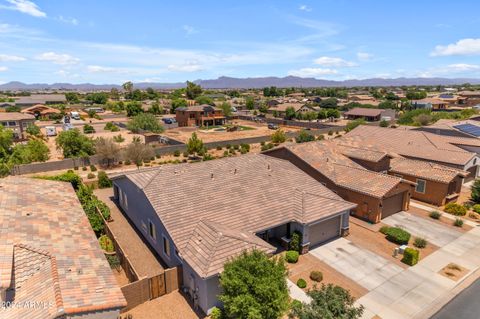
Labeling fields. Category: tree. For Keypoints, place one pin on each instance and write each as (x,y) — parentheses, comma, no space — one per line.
(6,141)
(12,108)
(279,136)
(195,145)
(290,113)
(193,90)
(33,130)
(422,119)
(176,104)
(333,113)
(384,123)
(475,195)
(145,122)
(330,103)
(133,108)
(75,144)
(107,150)
(128,86)
(353,124)
(137,152)
(156,108)
(204,100)
(304,136)
(250,103)
(328,302)
(226,108)
(254,286)
(72,97)
(114,94)
(33,151)
(97,97)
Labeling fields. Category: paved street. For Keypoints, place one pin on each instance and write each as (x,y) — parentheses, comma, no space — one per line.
(463,306)
(421,227)
(361,265)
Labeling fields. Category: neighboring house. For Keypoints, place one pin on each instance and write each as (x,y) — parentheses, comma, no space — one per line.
(467,128)
(17,122)
(430,104)
(201,215)
(370,115)
(25,101)
(457,152)
(50,259)
(199,115)
(435,184)
(281,109)
(471,98)
(40,110)
(377,195)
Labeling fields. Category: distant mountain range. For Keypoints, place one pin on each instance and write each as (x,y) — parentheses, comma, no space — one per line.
(245,83)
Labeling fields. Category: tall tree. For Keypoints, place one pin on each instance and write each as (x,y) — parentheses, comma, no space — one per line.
(75,144)
(195,145)
(193,90)
(128,86)
(107,150)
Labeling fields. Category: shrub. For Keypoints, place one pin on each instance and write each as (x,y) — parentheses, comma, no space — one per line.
(435,214)
(176,153)
(128,162)
(84,168)
(475,195)
(236,147)
(69,176)
(473,216)
(88,129)
(295,304)
(113,261)
(320,138)
(90,175)
(455,209)
(216,313)
(330,132)
(420,242)
(296,241)
(467,205)
(93,168)
(291,256)
(476,208)
(411,256)
(111,127)
(118,138)
(301,283)
(398,235)
(219,148)
(458,222)
(279,136)
(106,243)
(245,147)
(103,208)
(185,154)
(262,143)
(103,180)
(316,275)
(384,229)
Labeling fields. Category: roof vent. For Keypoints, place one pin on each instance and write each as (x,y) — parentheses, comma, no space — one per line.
(235,172)
(268,166)
(211,175)
(175,172)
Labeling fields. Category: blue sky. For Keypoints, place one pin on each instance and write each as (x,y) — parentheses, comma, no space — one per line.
(169,41)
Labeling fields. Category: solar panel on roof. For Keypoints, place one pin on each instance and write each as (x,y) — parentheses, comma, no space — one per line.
(469,129)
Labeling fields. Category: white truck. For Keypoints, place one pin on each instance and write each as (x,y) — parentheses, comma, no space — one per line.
(75,115)
(50,130)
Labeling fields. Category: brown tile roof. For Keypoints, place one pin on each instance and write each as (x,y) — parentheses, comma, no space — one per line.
(15,116)
(47,242)
(199,108)
(360,111)
(329,160)
(360,153)
(231,198)
(283,107)
(411,143)
(425,170)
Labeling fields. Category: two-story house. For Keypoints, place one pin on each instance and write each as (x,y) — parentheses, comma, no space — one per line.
(199,115)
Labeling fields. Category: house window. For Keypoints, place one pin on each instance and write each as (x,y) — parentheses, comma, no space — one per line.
(12,123)
(420,186)
(151,230)
(166,246)
(475,161)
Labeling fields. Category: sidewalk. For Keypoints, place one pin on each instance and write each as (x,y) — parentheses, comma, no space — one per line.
(419,288)
(297,293)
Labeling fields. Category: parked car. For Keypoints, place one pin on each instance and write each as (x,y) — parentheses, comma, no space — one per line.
(75,115)
(169,120)
(51,130)
(272,126)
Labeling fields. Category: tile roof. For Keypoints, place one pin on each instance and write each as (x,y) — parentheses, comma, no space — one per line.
(411,143)
(283,107)
(329,160)
(360,111)
(47,242)
(15,116)
(231,199)
(425,170)
(199,108)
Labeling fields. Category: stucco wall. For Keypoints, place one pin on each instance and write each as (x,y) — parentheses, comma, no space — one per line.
(381,166)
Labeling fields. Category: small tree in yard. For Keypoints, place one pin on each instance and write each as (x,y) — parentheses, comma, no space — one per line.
(75,144)
(107,150)
(279,137)
(195,145)
(137,152)
(145,122)
(475,195)
(254,286)
(33,130)
(328,302)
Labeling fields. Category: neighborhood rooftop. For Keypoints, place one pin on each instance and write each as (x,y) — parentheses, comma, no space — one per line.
(233,198)
(15,116)
(426,170)
(50,253)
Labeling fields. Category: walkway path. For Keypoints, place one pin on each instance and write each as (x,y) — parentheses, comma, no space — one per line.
(139,254)
(297,293)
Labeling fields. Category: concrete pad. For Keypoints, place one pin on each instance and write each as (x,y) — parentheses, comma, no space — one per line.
(296,293)
(438,234)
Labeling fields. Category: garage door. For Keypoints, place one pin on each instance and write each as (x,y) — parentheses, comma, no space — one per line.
(392,205)
(324,231)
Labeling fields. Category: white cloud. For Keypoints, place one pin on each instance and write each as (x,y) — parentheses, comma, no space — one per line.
(461,47)
(332,61)
(312,72)
(3,68)
(189,67)
(189,30)
(305,8)
(68,20)
(25,6)
(11,58)
(462,67)
(57,58)
(456,68)
(100,69)
(363,56)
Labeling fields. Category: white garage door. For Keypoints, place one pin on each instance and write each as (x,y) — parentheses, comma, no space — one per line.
(324,231)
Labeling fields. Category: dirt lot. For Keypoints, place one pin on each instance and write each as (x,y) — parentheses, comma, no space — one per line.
(443,220)
(453,271)
(170,306)
(306,263)
(182,134)
(373,240)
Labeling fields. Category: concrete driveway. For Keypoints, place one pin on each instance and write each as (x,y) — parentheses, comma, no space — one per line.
(361,265)
(421,227)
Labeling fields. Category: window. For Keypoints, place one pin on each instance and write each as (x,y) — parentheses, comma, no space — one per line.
(166,246)
(420,186)
(12,123)
(151,230)
(475,161)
